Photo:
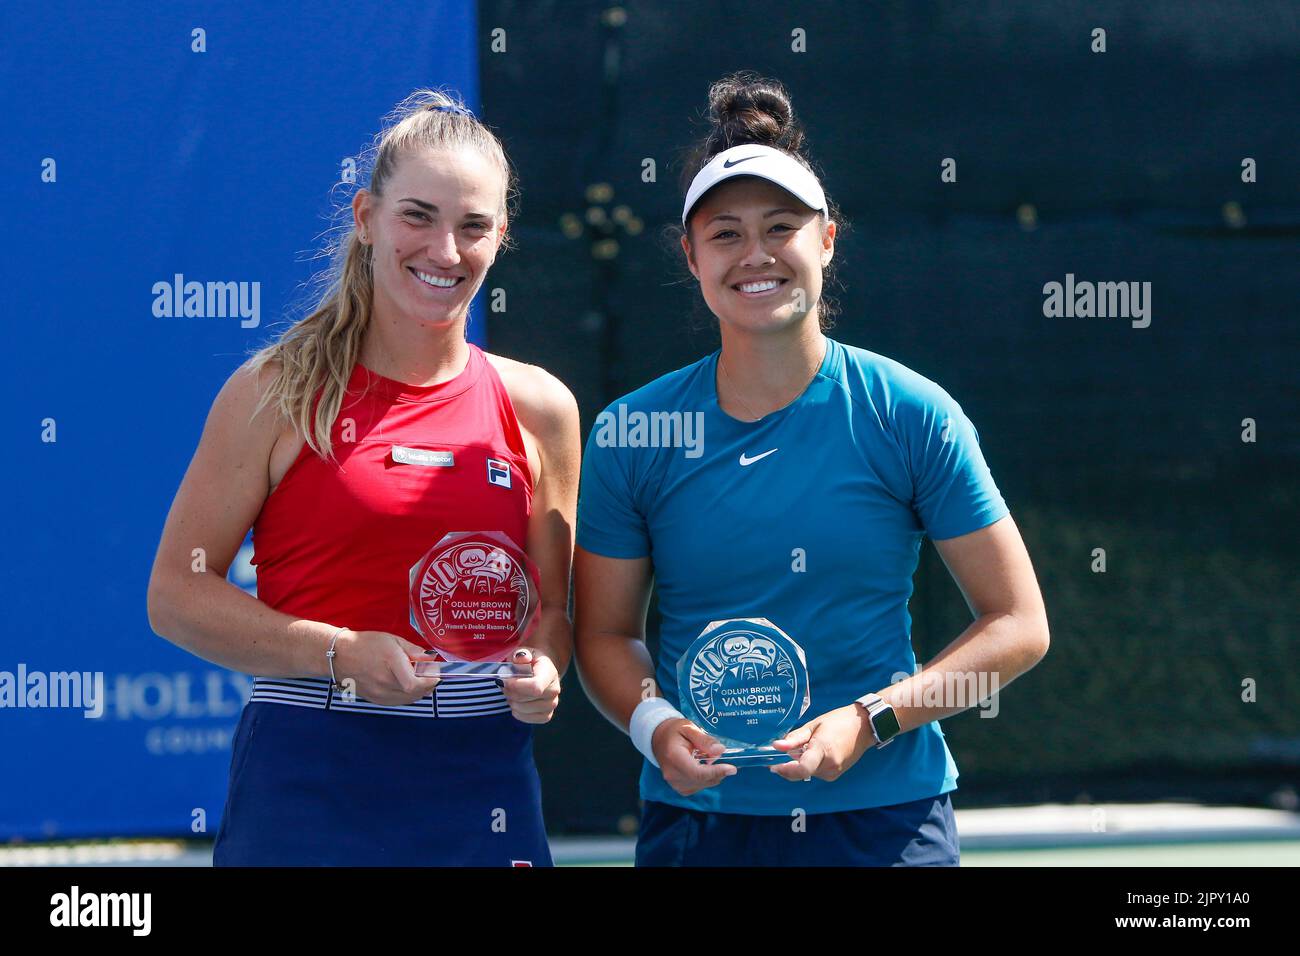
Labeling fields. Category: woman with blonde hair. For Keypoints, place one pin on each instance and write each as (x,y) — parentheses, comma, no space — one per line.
(351,446)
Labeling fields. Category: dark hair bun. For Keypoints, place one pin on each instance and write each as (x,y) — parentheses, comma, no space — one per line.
(746,108)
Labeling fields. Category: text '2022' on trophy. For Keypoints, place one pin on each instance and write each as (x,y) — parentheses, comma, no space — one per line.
(745,682)
(474,599)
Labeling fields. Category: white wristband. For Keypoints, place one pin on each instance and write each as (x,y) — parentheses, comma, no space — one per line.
(649,714)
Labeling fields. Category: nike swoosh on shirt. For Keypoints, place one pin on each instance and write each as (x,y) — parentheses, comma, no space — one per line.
(745,460)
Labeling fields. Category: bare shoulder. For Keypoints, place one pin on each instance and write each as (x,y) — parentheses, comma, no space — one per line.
(240,418)
(544,404)
(243,393)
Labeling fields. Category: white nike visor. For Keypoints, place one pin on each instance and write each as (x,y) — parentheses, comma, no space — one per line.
(765,162)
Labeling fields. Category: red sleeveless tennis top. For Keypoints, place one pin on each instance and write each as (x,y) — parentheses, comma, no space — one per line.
(336,542)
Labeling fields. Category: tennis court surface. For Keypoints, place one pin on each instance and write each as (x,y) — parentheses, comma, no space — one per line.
(1162,834)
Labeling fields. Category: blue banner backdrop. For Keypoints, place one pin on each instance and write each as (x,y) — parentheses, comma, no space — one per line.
(195,140)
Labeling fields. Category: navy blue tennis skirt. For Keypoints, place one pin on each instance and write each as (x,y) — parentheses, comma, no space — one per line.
(917,833)
(313,787)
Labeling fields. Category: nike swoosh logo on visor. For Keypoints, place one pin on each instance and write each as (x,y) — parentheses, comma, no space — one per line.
(728,163)
(746,460)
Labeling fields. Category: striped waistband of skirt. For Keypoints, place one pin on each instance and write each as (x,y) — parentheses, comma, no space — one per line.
(451,698)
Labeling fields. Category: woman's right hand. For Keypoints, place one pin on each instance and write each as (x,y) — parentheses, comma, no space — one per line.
(674,744)
(380,666)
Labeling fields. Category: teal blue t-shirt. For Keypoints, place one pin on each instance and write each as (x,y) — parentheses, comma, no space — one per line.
(812,518)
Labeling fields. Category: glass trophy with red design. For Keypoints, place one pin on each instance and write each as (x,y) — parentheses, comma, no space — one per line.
(474,600)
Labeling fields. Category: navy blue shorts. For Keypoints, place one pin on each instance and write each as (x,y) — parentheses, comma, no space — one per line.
(315,787)
(918,833)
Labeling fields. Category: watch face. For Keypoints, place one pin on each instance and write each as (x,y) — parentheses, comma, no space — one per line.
(886,724)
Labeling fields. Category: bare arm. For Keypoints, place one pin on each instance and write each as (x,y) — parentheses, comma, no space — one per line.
(611,598)
(1008,636)
(554,425)
(548,414)
(191,603)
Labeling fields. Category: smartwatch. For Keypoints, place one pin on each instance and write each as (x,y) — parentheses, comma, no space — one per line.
(884,722)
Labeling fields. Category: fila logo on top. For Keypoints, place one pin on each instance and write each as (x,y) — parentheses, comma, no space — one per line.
(498,473)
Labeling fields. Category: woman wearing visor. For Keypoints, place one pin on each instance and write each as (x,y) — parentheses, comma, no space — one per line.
(821,468)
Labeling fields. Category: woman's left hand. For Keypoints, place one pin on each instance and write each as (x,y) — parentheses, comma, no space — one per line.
(533,699)
(832,743)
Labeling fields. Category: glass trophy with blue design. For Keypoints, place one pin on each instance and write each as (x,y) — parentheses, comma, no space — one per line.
(744,681)
(474,600)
